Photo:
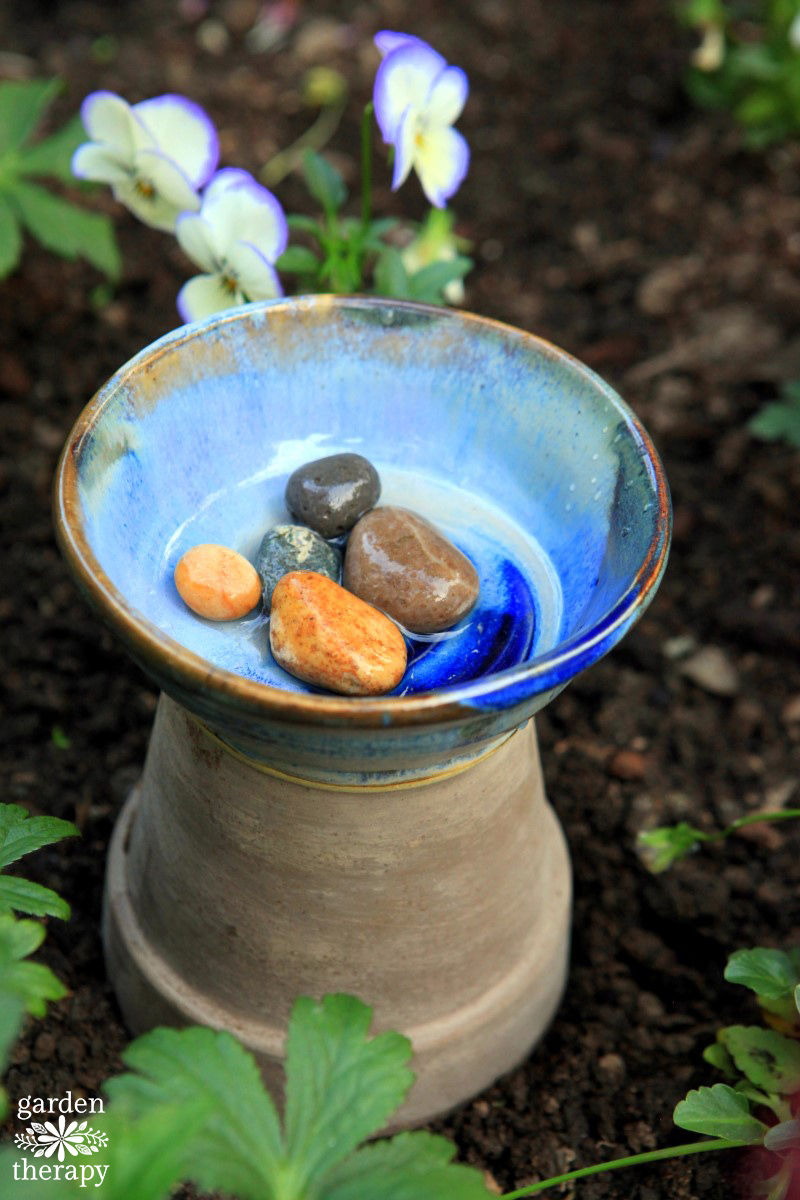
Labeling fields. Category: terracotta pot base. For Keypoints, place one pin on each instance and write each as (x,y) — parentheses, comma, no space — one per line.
(443,902)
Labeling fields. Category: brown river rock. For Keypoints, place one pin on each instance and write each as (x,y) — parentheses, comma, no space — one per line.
(401,564)
(327,636)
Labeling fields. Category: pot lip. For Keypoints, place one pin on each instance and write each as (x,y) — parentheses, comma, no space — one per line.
(190,672)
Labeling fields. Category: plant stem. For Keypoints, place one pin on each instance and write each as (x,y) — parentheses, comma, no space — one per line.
(617,1163)
(366,165)
(315,137)
(785,814)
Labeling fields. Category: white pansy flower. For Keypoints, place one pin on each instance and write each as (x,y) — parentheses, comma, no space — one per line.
(418,98)
(155,155)
(235,239)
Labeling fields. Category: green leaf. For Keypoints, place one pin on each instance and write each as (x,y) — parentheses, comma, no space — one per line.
(53,156)
(391,277)
(660,848)
(323,181)
(21,895)
(797,997)
(768,1059)
(412,1166)
(10,240)
(719,1057)
(21,834)
(240,1149)
(779,421)
(719,1111)
(341,1086)
(22,105)
(149,1156)
(66,229)
(769,973)
(303,224)
(298,260)
(429,282)
(32,983)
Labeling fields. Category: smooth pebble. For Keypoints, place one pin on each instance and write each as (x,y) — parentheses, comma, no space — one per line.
(294,548)
(401,564)
(217,583)
(326,636)
(330,494)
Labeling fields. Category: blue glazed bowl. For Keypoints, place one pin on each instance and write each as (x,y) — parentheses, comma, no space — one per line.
(528,461)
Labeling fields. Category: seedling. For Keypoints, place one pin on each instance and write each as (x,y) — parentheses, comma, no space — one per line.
(21,834)
(660,848)
(60,226)
(780,420)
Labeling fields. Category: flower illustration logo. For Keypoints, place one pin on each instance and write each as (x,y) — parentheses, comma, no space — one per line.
(47,1140)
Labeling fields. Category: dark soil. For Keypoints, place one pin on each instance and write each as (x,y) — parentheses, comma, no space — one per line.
(610,217)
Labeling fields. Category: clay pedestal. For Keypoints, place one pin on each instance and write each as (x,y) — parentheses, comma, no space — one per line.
(443,901)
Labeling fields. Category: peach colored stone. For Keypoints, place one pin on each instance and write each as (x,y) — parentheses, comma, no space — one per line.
(326,636)
(217,582)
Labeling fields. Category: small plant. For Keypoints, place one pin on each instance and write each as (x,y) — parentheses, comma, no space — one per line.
(660,848)
(748,62)
(780,420)
(60,226)
(21,834)
(160,158)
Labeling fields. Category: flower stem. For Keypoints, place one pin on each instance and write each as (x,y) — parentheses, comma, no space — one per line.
(366,165)
(617,1163)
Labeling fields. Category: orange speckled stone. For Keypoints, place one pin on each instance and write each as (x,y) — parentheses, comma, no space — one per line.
(217,582)
(326,636)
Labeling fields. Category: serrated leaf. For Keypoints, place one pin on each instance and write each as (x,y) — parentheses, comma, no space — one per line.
(174,1067)
(719,1057)
(148,1157)
(53,156)
(721,1112)
(660,848)
(23,896)
(298,260)
(66,229)
(768,1059)
(341,1086)
(391,277)
(10,240)
(769,973)
(429,282)
(412,1166)
(21,834)
(22,105)
(323,181)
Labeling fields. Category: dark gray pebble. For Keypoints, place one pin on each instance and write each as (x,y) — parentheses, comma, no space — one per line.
(332,493)
(294,548)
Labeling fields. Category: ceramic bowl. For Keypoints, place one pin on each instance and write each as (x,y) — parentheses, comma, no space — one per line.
(525,457)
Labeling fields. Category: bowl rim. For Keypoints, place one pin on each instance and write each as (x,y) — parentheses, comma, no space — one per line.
(190,671)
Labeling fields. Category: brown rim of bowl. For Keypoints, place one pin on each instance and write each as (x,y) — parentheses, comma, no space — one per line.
(146,641)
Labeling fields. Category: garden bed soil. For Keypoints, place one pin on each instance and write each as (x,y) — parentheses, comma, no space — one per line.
(610,217)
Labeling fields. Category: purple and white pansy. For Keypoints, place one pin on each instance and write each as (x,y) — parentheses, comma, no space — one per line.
(417,99)
(155,155)
(235,239)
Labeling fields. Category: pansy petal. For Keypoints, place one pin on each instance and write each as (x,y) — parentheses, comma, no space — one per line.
(167,178)
(184,133)
(107,118)
(404,147)
(404,80)
(447,97)
(97,163)
(247,212)
(149,206)
(224,179)
(197,240)
(255,276)
(387,41)
(203,296)
(441,159)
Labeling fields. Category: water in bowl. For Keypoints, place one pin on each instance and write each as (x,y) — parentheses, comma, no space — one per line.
(517,617)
